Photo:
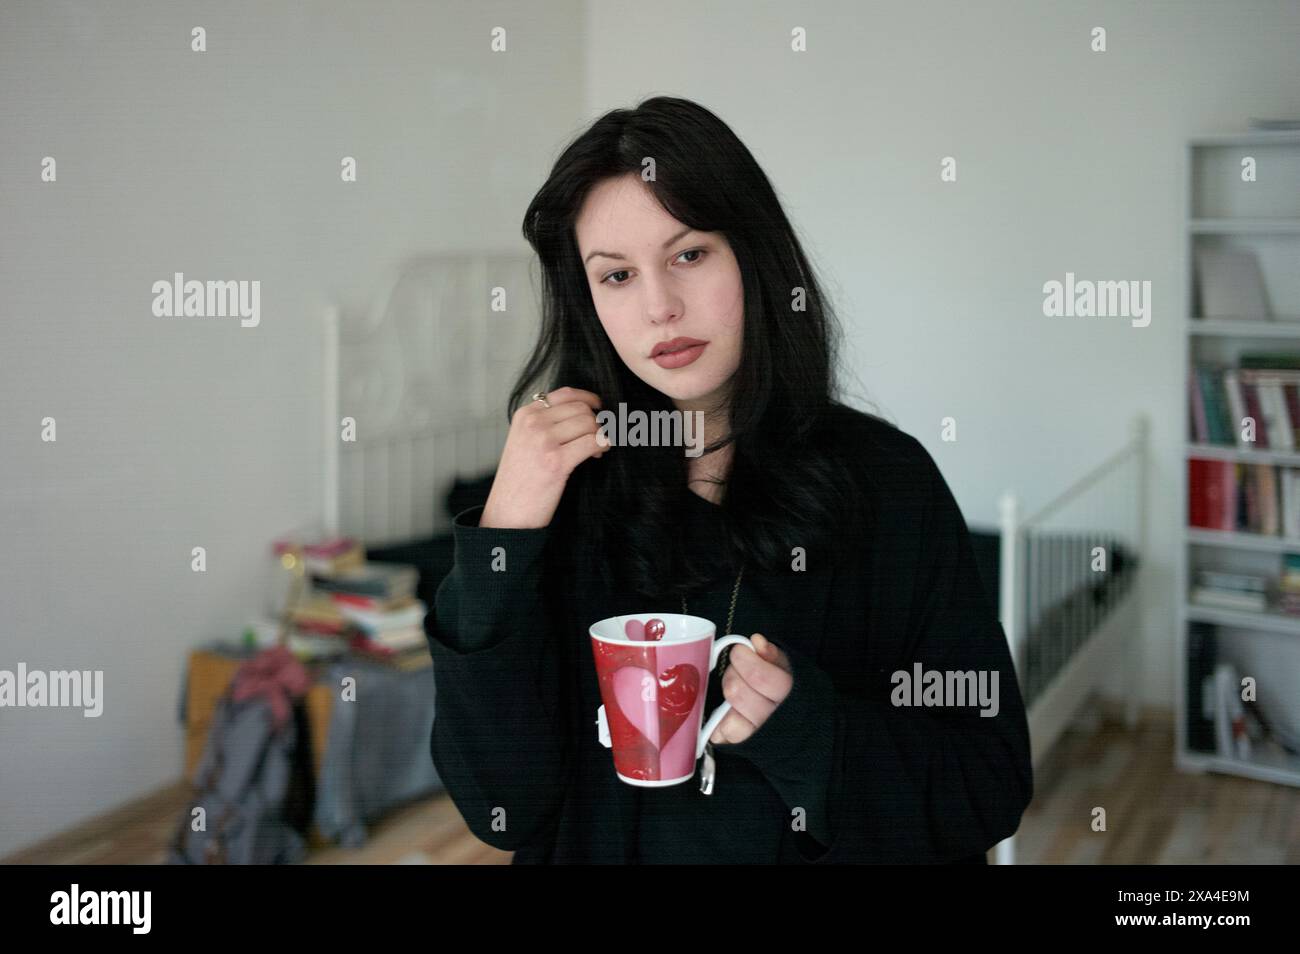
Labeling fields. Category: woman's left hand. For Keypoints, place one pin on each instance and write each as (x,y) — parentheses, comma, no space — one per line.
(755,683)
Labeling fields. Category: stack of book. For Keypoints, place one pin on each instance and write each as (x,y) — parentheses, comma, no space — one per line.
(376,608)
(382,616)
(1288,585)
(1237,591)
(338,602)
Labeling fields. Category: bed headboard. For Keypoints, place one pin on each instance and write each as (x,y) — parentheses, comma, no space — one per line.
(424,375)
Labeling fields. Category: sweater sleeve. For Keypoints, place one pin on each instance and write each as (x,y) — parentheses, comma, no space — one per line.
(795,749)
(910,784)
(497,738)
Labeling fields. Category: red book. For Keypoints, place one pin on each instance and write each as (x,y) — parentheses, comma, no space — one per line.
(1196,499)
(1211,494)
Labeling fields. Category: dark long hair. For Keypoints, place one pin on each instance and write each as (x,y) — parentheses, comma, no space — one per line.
(785,488)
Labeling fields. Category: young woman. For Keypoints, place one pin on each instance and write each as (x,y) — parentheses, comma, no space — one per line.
(673,281)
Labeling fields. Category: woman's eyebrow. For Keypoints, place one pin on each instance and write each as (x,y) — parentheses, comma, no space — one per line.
(685,231)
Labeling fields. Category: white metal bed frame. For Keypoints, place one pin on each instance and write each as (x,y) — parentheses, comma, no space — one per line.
(424,374)
(1116,637)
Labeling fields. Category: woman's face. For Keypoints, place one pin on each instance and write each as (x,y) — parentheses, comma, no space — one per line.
(654,280)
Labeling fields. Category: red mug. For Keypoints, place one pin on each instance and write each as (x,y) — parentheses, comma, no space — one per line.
(653,670)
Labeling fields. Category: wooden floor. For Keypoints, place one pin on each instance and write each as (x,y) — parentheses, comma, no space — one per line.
(1154,815)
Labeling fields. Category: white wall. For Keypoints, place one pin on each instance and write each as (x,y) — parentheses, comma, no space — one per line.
(1068,160)
(197,432)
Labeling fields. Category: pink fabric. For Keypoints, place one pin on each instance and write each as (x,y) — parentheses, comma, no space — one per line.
(276,675)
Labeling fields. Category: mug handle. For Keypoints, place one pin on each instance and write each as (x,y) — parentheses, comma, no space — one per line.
(721,711)
(602,729)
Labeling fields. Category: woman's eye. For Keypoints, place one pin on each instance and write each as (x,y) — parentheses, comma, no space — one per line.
(623,271)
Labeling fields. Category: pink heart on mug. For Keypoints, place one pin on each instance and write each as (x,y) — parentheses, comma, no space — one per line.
(638,700)
(657,707)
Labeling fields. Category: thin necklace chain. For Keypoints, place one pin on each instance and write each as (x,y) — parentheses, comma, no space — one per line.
(731,613)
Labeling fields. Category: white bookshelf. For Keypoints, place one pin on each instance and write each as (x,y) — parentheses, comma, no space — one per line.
(1263,216)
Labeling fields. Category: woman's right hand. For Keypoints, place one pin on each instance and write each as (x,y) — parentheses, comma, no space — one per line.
(545,445)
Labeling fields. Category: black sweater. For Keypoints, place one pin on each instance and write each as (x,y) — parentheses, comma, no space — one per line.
(838,773)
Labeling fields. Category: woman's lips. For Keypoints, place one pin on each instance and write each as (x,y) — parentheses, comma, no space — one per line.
(679,359)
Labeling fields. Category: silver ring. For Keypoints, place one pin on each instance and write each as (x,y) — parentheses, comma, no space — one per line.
(541,396)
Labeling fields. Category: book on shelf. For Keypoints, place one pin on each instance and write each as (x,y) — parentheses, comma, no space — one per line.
(1249,498)
(1229,714)
(1245,582)
(1251,592)
(1222,397)
(1229,599)
(1237,591)
(1211,493)
(1288,585)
